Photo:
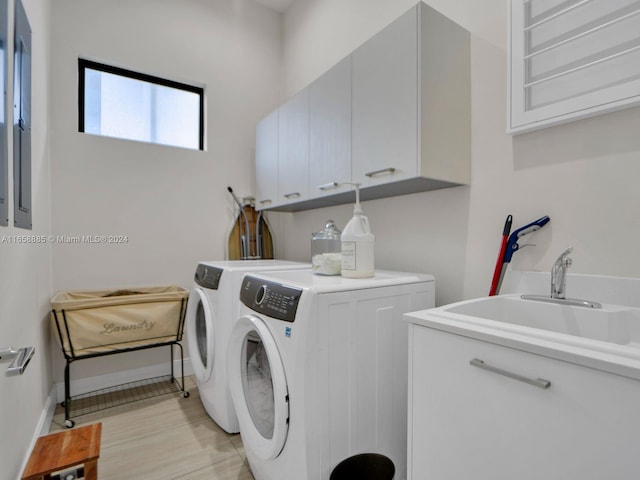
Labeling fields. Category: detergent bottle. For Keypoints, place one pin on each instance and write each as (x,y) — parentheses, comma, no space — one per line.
(357,243)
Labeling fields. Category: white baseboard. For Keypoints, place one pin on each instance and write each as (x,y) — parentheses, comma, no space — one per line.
(43,425)
(90,384)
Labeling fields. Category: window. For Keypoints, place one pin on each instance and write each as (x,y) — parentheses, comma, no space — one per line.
(4,166)
(114,102)
(22,120)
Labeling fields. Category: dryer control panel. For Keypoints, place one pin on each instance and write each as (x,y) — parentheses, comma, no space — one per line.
(270,298)
(207,276)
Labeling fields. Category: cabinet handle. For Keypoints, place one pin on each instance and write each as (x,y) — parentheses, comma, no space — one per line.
(292,195)
(390,170)
(328,186)
(268,200)
(538,382)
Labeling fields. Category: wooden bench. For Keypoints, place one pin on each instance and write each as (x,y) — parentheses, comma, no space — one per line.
(61,451)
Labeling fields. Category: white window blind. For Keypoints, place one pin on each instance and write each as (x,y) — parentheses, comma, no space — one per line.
(572,58)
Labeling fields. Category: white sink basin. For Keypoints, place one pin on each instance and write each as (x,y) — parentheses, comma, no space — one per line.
(611,323)
(606,338)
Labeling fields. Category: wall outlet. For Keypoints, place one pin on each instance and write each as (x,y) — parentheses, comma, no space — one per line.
(73,473)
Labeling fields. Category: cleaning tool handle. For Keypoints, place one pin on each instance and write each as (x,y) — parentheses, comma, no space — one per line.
(497,273)
(513,246)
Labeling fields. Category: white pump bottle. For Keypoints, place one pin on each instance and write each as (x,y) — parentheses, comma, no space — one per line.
(357,244)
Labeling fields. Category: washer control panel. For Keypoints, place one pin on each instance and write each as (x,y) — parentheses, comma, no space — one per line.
(270,298)
(207,276)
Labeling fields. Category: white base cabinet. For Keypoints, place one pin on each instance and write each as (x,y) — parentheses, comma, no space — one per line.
(466,422)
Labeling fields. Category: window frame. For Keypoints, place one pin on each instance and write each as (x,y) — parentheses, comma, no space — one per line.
(84,64)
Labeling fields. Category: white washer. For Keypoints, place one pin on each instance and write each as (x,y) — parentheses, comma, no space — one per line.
(211,312)
(318,369)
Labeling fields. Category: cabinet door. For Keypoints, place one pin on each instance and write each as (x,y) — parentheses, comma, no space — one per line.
(362,375)
(293,145)
(267,161)
(385,104)
(330,131)
(466,422)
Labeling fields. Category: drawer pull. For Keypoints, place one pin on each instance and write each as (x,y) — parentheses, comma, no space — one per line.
(538,382)
(381,171)
(268,200)
(328,186)
(292,195)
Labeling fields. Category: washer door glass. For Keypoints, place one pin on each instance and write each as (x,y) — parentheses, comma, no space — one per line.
(201,335)
(257,384)
(259,387)
(199,328)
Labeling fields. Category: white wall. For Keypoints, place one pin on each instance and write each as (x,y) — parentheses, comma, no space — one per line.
(25,269)
(584,175)
(171,203)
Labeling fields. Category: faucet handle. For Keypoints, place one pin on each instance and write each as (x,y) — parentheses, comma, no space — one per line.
(559,274)
(565,253)
(564,260)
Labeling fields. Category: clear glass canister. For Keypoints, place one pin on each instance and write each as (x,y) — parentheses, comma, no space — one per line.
(326,240)
(325,250)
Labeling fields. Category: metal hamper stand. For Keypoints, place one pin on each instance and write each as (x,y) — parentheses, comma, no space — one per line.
(124,393)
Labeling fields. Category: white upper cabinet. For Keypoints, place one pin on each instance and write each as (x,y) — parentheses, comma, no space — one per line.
(330,131)
(293,149)
(385,104)
(571,59)
(394,116)
(266,161)
(411,106)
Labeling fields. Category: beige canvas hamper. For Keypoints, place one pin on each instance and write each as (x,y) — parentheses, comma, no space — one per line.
(100,321)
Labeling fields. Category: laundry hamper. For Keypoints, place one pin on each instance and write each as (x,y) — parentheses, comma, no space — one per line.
(95,323)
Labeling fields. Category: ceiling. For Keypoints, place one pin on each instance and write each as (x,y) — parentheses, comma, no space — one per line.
(277,5)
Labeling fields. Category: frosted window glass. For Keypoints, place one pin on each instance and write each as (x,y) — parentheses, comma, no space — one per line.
(116,105)
(176,117)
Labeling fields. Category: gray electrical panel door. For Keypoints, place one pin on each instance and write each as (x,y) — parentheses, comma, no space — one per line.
(4,163)
(22,120)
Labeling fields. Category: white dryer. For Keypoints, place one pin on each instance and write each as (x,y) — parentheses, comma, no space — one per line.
(211,312)
(318,369)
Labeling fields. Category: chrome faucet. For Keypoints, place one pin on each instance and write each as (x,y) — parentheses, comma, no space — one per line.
(558,285)
(559,274)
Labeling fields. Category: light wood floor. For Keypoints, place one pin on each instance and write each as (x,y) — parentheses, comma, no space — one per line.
(164,438)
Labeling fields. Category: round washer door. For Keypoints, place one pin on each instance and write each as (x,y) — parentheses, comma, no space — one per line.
(259,387)
(199,326)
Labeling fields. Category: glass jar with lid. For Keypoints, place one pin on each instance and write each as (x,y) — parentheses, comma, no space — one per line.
(325,249)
